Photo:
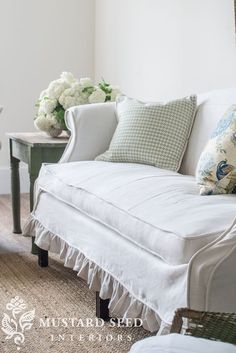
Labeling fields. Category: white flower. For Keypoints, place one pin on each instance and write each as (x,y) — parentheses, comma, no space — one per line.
(86,82)
(47,106)
(82,99)
(68,98)
(114,93)
(63,96)
(77,86)
(68,91)
(53,121)
(69,102)
(85,95)
(98,96)
(46,122)
(41,123)
(68,77)
(56,88)
(43,94)
(72,96)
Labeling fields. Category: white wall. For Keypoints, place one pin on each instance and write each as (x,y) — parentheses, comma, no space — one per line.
(158,49)
(153,49)
(38,40)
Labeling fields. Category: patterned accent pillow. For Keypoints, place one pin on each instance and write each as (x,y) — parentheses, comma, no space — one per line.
(151,133)
(216,169)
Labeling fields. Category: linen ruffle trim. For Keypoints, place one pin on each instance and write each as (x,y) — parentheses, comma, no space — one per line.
(122,303)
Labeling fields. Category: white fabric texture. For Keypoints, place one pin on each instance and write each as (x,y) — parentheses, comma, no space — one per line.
(200,275)
(123,260)
(136,201)
(68,232)
(176,343)
(92,127)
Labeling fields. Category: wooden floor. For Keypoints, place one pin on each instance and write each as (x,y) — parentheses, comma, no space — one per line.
(10,242)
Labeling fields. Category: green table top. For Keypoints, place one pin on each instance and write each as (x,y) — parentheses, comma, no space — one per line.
(39,139)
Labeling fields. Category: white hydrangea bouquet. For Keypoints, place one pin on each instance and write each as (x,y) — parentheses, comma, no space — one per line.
(67,92)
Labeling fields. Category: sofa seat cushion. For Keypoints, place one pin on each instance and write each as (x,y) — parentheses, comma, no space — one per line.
(159,210)
(176,343)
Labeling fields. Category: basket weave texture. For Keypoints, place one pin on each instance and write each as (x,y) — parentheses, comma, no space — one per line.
(209,325)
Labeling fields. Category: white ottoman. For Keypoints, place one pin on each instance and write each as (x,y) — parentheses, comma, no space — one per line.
(176,343)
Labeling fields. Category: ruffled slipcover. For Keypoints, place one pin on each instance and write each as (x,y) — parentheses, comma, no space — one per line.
(108,232)
(122,303)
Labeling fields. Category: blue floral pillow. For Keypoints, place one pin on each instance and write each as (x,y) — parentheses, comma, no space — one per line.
(216,170)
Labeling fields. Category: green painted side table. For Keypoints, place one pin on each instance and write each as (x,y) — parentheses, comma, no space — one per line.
(33,149)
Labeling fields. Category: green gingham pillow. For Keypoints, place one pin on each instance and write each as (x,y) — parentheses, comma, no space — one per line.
(151,133)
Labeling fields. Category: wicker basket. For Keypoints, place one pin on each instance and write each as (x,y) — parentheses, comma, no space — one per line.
(213,326)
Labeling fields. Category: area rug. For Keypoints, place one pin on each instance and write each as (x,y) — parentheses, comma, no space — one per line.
(51,310)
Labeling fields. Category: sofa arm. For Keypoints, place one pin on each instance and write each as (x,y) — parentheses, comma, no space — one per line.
(92,127)
(212,276)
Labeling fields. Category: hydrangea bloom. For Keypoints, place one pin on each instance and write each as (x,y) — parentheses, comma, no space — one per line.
(56,88)
(114,93)
(66,92)
(46,122)
(47,105)
(68,77)
(86,82)
(98,96)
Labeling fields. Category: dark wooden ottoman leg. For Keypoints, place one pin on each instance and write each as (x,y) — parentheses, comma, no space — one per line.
(102,310)
(34,247)
(42,257)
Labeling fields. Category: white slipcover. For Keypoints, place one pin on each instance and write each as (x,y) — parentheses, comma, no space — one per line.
(141,236)
(136,201)
(175,343)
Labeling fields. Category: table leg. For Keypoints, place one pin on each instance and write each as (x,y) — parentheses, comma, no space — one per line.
(15,192)
(33,177)
(34,247)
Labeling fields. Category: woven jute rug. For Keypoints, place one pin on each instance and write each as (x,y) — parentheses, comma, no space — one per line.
(52,310)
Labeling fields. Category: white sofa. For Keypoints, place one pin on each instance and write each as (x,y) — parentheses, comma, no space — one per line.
(141,236)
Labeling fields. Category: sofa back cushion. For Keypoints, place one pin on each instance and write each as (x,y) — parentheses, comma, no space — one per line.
(211,108)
